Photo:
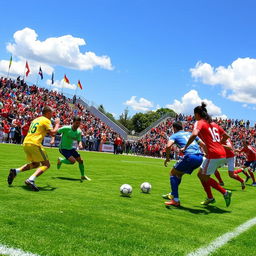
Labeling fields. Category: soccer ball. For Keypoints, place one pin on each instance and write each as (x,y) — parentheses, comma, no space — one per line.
(126,190)
(145,187)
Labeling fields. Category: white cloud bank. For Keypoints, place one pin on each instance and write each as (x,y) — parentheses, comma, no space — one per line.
(63,51)
(190,100)
(238,80)
(141,104)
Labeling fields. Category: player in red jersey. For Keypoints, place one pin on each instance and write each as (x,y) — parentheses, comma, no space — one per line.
(231,162)
(213,136)
(250,163)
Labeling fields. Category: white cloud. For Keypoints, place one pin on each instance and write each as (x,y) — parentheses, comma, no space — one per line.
(61,84)
(140,105)
(63,51)
(238,80)
(190,100)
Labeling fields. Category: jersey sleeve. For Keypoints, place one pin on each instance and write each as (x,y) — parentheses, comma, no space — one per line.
(172,137)
(48,125)
(198,125)
(63,129)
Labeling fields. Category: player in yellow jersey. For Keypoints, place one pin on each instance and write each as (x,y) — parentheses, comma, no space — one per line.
(32,145)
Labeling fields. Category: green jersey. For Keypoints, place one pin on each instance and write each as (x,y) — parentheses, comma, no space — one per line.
(69,136)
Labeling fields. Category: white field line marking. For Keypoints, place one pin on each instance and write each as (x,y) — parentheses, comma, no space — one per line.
(14,252)
(222,240)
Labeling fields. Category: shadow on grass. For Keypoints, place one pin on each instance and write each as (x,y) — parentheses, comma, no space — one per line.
(209,209)
(44,188)
(66,178)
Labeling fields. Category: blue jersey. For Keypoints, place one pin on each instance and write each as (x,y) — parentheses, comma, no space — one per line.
(180,138)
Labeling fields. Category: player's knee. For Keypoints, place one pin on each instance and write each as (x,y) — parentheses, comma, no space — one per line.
(72,161)
(80,161)
(35,165)
(231,174)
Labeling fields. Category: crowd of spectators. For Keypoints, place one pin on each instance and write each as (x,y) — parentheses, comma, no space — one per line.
(20,104)
(153,143)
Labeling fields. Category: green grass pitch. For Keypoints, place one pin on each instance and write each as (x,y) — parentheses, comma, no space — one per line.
(68,217)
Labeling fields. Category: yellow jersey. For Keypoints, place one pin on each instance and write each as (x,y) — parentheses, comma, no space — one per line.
(37,131)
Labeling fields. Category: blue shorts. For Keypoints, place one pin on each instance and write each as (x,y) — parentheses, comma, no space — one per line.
(69,152)
(251,164)
(189,163)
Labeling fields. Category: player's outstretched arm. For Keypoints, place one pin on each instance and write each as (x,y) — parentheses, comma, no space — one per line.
(53,131)
(168,151)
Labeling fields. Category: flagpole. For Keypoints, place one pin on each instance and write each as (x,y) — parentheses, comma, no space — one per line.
(37,79)
(10,63)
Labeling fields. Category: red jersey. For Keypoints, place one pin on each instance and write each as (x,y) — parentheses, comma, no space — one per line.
(210,134)
(250,153)
(229,152)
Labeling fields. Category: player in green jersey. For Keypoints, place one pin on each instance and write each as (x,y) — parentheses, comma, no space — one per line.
(71,133)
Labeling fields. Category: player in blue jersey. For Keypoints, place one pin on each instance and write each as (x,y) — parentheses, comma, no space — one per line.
(192,159)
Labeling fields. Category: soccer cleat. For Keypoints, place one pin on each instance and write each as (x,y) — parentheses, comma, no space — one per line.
(167,196)
(227,197)
(222,184)
(254,184)
(58,163)
(208,201)
(85,178)
(172,203)
(243,185)
(11,176)
(32,185)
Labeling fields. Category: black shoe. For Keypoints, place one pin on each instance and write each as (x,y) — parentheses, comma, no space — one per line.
(32,185)
(11,176)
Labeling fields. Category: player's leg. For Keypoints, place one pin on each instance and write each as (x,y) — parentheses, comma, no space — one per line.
(68,158)
(13,172)
(29,150)
(38,154)
(39,171)
(187,165)
(217,175)
(80,161)
(212,166)
(231,171)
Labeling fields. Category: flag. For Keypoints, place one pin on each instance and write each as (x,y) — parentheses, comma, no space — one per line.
(40,73)
(10,63)
(66,79)
(52,78)
(80,85)
(27,67)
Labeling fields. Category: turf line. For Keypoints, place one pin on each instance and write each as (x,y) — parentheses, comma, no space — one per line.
(14,252)
(222,240)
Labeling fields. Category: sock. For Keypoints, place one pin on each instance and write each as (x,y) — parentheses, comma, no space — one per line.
(213,183)
(252,176)
(238,171)
(217,175)
(238,178)
(207,189)
(81,168)
(32,177)
(246,174)
(65,161)
(175,181)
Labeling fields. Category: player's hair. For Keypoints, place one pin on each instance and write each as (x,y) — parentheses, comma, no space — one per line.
(202,111)
(76,118)
(177,125)
(46,110)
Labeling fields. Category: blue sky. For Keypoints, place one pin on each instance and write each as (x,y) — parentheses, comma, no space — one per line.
(143,54)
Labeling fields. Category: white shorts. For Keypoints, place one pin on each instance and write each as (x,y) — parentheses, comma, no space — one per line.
(231,164)
(209,166)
